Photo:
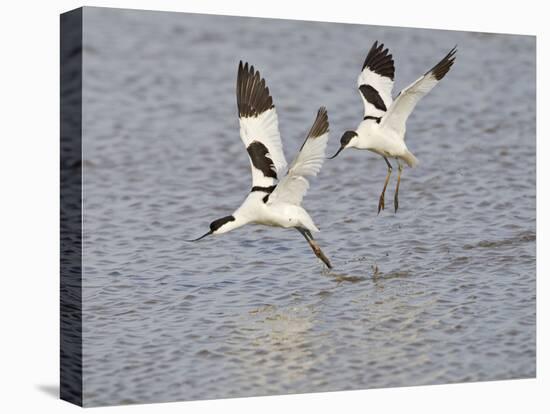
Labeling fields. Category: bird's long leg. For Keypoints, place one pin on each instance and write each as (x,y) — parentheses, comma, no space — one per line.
(396,196)
(314,246)
(381,200)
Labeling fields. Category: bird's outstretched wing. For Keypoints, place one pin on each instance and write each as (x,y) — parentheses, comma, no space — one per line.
(407,99)
(292,188)
(375,82)
(259,127)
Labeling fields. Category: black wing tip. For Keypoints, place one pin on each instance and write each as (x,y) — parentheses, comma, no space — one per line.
(444,65)
(321,124)
(253,97)
(380,61)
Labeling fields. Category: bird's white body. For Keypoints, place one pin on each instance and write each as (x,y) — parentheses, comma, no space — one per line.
(383,141)
(254,211)
(380,140)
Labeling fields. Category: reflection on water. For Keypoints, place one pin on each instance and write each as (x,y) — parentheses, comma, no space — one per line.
(283,337)
(443,291)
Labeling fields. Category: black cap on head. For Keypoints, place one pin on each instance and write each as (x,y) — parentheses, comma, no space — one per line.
(346,138)
(344,141)
(216,224)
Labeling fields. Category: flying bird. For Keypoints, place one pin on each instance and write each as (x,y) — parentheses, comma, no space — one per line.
(383,128)
(272,202)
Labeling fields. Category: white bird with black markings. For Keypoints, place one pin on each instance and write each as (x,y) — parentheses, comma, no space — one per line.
(383,128)
(273,203)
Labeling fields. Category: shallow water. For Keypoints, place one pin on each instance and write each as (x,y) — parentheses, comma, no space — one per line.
(443,291)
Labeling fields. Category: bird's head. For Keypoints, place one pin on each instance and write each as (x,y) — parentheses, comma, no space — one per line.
(347,141)
(219,226)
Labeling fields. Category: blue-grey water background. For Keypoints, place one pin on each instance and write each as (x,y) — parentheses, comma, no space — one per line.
(443,291)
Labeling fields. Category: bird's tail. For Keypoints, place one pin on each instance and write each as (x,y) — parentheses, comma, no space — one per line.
(410,159)
(307,221)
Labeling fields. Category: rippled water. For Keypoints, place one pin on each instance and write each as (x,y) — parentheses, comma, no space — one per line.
(443,291)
